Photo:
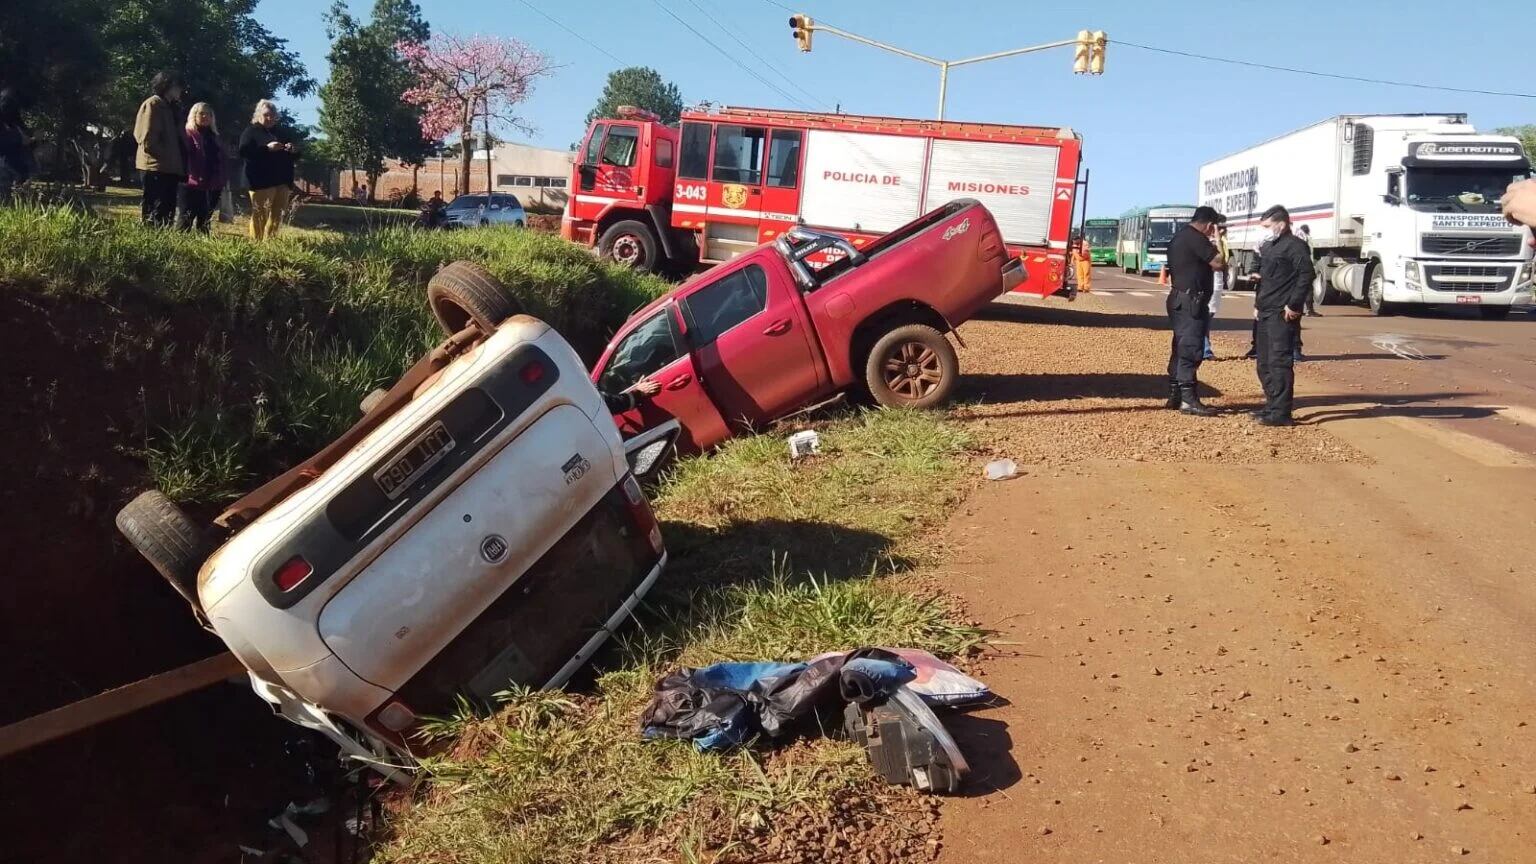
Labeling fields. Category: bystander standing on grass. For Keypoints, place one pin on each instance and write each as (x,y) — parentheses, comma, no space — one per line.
(205,169)
(269,156)
(160,154)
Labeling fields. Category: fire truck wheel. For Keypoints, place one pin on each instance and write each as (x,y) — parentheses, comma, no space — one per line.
(167,538)
(912,366)
(463,293)
(630,243)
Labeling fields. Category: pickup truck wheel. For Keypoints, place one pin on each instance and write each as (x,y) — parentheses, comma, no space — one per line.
(167,538)
(463,293)
(631,244)
(913,366)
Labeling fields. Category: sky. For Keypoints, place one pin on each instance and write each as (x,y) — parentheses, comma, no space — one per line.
(1147,123)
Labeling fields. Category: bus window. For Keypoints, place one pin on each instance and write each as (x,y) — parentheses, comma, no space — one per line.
(739,155)
(694,162)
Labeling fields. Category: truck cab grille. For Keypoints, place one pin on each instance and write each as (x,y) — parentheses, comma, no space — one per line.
(1465,278)
(1456,244)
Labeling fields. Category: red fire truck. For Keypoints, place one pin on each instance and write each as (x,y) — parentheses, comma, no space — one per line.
(657,197)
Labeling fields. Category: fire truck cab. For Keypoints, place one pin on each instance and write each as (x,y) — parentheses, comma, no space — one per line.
(729,179)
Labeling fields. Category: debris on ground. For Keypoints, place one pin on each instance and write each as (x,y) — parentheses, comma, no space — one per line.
(1002,469)
(804,443)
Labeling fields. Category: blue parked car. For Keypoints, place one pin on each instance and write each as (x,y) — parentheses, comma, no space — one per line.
(474,209)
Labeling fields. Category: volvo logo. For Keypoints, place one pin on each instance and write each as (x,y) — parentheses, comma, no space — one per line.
(494,548)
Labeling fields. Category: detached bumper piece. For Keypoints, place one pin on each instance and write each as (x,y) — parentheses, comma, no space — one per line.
(907,743)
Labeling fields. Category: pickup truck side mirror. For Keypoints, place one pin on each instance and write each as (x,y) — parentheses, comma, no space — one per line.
(1391,199)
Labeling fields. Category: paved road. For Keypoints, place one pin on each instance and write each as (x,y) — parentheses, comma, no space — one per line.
(1449,366)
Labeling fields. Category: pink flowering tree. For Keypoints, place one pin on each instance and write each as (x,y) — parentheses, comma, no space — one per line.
(461,78)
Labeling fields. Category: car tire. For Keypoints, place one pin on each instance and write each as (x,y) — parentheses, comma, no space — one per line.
(1375,293)
(463,293)
(518,224)
(166,537)
(631,244)
(372,400)
(912,366)
(1493,313)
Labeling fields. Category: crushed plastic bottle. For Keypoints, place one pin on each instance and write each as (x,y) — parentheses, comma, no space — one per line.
(1002,469)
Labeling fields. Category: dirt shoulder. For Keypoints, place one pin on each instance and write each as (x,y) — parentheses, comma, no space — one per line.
(1221,643)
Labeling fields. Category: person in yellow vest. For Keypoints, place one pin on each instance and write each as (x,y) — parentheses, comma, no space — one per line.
(1082,263)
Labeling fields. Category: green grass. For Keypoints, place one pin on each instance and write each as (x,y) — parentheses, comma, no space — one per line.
(560,778)
(264,350)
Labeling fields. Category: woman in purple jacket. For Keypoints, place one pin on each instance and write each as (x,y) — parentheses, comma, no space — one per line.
(198,197)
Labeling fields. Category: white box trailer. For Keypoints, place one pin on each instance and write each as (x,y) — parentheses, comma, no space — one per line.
(1401,208)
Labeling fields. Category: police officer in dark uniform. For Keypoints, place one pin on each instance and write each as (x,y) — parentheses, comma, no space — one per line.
(1285,281)
(1192,262)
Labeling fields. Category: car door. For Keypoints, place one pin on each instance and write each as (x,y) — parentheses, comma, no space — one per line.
(655,347)
(752,342)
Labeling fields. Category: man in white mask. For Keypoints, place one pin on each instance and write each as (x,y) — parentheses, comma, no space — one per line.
(1285,279)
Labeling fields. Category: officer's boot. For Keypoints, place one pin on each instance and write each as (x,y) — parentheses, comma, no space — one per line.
(1190,402)
(1175,396)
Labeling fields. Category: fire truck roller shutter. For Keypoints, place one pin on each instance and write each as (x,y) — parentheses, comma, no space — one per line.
(874,182)
(1015,181)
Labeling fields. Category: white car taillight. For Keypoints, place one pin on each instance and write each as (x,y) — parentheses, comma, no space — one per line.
(396,717)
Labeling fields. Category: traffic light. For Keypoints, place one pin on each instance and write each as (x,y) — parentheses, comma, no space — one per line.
(1082,52)
(1096,62)
(802,25)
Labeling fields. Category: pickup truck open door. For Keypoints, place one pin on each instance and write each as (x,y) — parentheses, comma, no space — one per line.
(655,346)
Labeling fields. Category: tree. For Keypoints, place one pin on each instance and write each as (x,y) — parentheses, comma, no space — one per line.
(85,65)
(461,79)
(642,87)
(1526,134)
(361,111)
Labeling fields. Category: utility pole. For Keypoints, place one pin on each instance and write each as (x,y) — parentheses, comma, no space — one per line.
(1089,59)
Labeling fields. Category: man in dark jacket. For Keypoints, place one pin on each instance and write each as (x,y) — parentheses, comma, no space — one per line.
(1193,261)
(629,399)
(1285,279)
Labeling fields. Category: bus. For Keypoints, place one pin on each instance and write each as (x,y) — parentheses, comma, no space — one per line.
(1146,233)
(1101,234)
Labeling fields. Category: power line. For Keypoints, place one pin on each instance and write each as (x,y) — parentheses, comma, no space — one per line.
(761,58)
(731,57)
(1316,74)
(590,44)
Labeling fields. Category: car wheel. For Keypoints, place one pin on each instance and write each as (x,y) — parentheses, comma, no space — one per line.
(168,539)
(1375,293)
(1494,313)
(913,366)
(631,244)
(519,224)
(485,223)
(463,293)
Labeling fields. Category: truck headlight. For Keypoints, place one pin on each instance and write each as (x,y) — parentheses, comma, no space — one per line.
(1527,270)
(1411,272)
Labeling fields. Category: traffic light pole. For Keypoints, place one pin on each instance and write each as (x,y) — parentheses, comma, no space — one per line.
(944,65)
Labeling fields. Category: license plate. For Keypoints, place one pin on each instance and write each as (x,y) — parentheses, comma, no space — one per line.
(1468,298)
(406,467)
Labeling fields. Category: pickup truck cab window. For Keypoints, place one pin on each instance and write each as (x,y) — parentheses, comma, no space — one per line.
(716,308)
(694,164)
(739,154)
(650,346)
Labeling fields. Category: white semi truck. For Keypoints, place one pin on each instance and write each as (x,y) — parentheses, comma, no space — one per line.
(1402,209)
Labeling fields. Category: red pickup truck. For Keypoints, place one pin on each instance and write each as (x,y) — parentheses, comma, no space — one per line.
(768,333)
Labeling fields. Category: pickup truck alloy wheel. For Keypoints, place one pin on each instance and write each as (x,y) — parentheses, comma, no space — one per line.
(629,243)
(912,366)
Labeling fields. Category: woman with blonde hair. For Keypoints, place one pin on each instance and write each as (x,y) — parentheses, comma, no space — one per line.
(206,175)
(269,156)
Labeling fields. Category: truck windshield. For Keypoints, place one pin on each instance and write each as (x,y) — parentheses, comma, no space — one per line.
(1100,235)
(1160,232)
(1459,190)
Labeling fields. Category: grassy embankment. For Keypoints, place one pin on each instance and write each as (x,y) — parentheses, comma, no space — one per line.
(246,356)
